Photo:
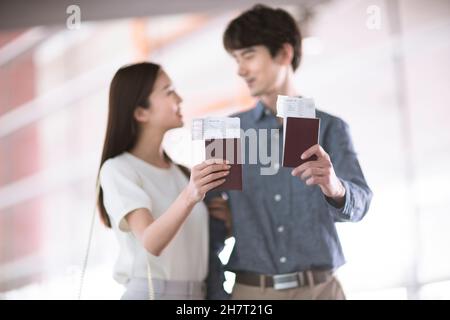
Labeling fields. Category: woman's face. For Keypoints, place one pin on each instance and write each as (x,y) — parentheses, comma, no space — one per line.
(164,111)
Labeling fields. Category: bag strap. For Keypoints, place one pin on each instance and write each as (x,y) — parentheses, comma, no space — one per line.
(90,236)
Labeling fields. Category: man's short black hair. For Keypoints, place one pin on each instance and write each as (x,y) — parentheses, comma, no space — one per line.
(262,25)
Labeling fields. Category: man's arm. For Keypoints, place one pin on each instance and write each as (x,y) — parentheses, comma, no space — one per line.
(338,174)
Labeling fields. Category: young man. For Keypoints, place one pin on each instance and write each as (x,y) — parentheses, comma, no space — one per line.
(286,242)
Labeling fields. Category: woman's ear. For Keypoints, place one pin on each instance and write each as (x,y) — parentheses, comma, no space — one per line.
(141,114)
(285,54)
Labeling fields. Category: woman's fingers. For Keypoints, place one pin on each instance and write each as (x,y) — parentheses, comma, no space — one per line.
(212,168)
(212,185)
(213,176)
(208,162)
(208,175)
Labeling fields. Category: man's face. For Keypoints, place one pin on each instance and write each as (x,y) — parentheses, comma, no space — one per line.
(261,72)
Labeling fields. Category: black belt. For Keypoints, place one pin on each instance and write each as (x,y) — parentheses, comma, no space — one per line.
(284,281)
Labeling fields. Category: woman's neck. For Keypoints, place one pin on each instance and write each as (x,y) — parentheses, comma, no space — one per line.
(148,147)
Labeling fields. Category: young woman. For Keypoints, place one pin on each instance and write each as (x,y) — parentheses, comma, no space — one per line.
(156,212)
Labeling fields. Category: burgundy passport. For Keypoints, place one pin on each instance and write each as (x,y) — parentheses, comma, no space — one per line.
(227,149)
(300,134)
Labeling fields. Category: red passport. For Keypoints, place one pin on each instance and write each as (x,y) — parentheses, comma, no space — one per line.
(299,135)
(227,149)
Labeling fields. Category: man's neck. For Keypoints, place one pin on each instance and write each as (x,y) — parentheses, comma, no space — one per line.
(286,89)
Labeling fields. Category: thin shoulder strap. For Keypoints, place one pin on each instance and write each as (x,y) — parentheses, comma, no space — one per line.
(89,243)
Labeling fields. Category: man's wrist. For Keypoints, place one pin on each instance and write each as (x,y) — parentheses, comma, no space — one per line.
(339,200)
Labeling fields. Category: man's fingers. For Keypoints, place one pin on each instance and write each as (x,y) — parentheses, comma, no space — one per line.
(313,172)
(315,149)
(301,168)
(307,165)
(315,181)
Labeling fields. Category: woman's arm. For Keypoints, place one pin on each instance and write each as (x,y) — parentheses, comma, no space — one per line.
(155,234)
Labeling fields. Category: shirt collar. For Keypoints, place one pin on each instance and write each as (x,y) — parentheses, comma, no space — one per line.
(260,111)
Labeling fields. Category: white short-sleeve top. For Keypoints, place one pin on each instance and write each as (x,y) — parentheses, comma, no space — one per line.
(129,183)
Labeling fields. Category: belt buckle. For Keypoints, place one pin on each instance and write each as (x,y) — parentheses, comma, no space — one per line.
(285,281)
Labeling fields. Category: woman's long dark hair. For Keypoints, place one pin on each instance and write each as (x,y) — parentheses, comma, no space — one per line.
(130,88)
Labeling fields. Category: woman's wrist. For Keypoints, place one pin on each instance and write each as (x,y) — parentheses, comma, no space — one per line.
(188,198)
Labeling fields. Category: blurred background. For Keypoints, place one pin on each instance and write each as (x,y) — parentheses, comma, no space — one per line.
(383,66)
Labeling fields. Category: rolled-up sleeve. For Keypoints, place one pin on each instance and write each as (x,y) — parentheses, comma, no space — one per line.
(358,195)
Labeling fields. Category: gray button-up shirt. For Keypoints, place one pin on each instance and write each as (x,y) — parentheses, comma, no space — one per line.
(280,224)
